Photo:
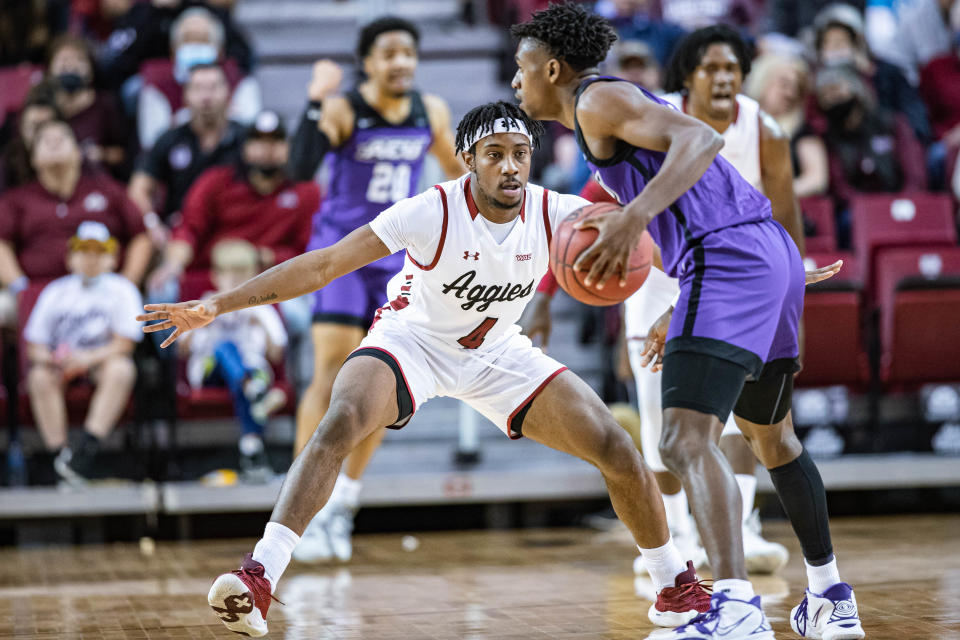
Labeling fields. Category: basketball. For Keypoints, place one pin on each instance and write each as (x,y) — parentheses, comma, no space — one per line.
(567,245)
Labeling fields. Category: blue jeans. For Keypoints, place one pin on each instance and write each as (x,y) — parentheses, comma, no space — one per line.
(231,372)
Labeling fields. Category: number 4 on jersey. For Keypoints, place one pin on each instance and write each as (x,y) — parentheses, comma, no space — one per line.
(475,338)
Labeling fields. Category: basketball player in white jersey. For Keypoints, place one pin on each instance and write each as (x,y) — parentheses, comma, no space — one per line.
(703,80)
(475,249)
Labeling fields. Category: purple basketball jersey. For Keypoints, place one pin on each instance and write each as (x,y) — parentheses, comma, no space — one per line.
(377,166)
(720,198)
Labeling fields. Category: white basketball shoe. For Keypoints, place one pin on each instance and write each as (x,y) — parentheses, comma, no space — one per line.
(327,537)
(831,615)
(727,619)
(762,556)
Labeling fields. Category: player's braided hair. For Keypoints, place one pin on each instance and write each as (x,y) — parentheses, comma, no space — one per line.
(571,33)
(484,118)
(381,25)
(688,54)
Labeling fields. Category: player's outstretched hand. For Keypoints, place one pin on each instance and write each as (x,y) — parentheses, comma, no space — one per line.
(536,323)
(824,273)
(181,317)
(656,342)
(609,254)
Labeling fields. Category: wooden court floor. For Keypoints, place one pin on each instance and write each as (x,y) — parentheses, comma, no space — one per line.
(476,585)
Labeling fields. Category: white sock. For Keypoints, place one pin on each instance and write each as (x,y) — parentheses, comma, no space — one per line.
(735,589)
(823,577)
(346,491)
(664,564)
(678,512)
(748,492)
(273,551)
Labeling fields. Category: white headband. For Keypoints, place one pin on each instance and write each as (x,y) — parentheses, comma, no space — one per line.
(500,126)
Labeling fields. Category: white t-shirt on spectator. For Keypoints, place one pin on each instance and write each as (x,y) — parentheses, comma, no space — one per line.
(85,315)
(248,329)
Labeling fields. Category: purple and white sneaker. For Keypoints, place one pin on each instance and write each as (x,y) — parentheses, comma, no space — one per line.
(727,619)
(831,615)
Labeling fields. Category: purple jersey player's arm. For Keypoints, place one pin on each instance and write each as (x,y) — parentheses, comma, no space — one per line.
(776,174)
(609,112)
(291,279)
(443,147)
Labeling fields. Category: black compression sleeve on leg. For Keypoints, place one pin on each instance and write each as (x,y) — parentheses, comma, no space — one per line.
(803,497)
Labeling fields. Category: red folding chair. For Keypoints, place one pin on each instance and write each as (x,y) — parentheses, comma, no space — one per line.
(819,211)
(899,220)
(834,351)
(919,294)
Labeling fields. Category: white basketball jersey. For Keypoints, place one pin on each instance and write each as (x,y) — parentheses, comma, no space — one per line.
(741,139)
(458,283)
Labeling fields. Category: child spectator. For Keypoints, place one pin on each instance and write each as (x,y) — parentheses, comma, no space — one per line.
(236,351)
(83,327)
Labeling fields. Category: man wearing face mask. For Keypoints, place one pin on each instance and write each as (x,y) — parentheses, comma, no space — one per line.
(98,123)
(870,149)
(253,200)
(197,37)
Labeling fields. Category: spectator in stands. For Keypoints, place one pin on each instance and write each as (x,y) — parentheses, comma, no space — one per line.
(38,108)
(196,37)
(37,219)
(839,40)
(94,115)
(83,327)
(184,152)
(780,84)
(237,352)
(636,20)
(940,86)
(870,149)
(143,33)
(920,33)
(253,200)
(635,61)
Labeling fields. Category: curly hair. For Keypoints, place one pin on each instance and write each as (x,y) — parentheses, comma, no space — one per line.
(688,54)
(381,25)
(485,117)
(571,33)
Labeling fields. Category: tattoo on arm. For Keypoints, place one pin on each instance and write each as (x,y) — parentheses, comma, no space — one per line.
(254,300)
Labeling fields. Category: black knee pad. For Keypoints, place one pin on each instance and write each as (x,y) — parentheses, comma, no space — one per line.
(701,382)
(768,399)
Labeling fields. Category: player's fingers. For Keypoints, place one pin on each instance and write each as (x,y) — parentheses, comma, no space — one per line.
(597,269)
(595,222)
(160,326)
(150,317)
(158,307)
(824,273)
(171,338)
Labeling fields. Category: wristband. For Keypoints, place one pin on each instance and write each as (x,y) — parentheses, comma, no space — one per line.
(313,110)
(151,220)
(19,285)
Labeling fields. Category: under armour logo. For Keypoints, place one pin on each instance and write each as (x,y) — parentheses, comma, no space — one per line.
(467,255)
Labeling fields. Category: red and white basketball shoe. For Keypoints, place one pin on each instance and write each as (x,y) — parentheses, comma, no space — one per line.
(241,598)
(681,603)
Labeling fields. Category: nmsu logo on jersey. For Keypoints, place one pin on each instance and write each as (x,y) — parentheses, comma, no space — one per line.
(482,296)
(391,149)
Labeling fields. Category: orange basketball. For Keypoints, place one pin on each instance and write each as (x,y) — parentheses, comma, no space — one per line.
(567,245)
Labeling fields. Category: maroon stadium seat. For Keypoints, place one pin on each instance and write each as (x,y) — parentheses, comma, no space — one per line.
(899,220)
(16,82)
(918,290)
(833,337)
(819,211)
